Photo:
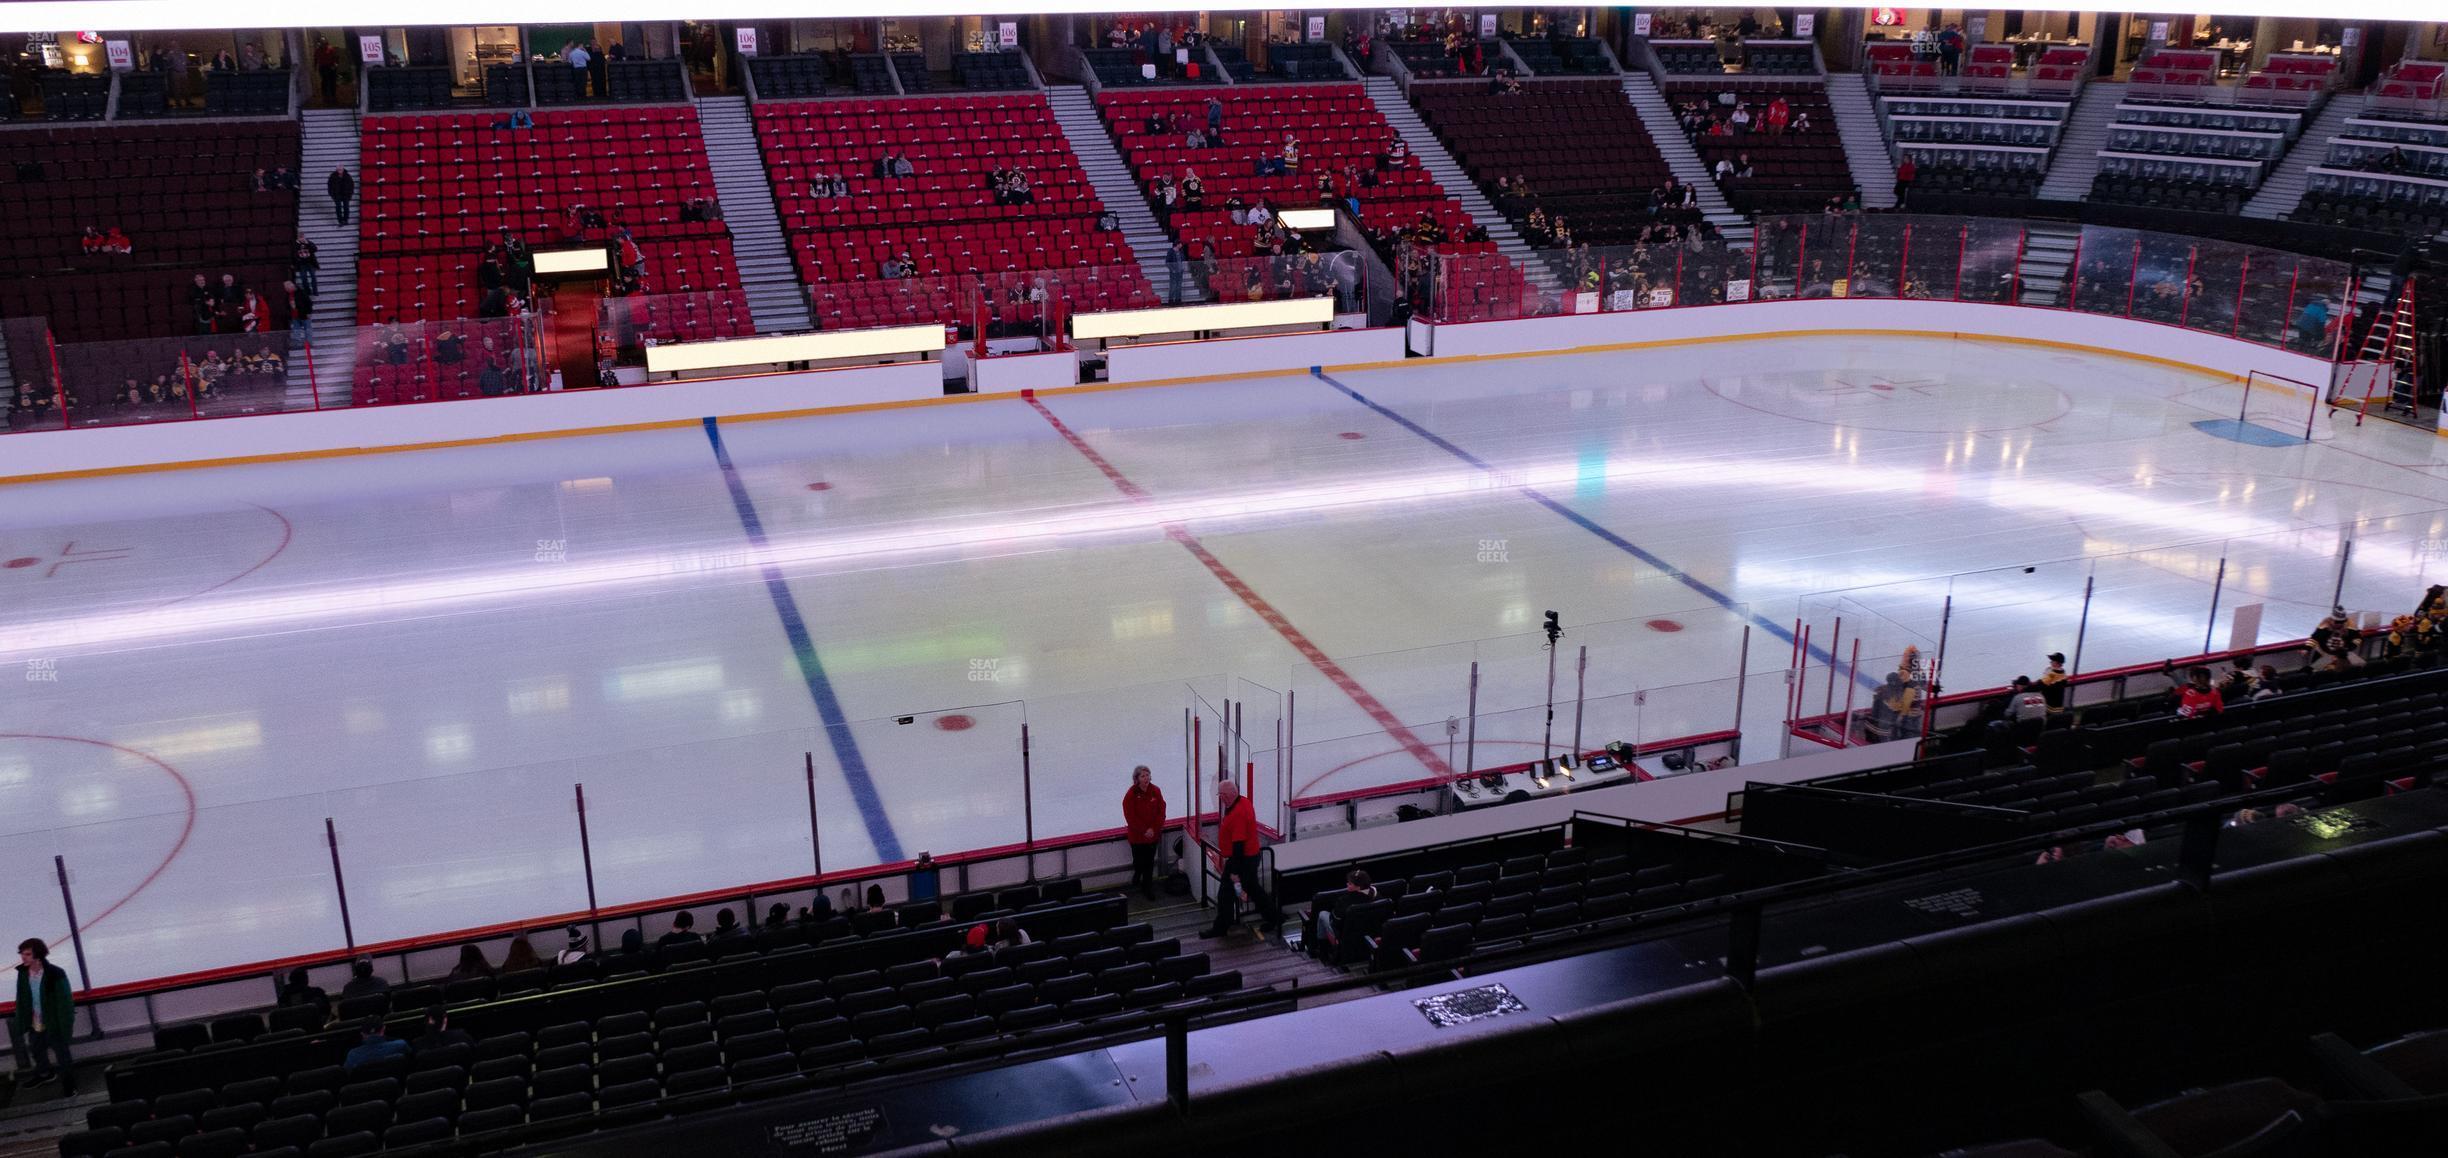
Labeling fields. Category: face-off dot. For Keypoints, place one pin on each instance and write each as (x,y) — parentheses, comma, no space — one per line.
(1663,625)
(20,563)
(955,723)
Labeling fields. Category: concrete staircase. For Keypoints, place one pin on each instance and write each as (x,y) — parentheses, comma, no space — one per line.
(2048,259)
(2283,189)
(1867,152)
(2076,160)
(1681,159)
(776,300)
(1415,133)
(328,141)
(1116,186)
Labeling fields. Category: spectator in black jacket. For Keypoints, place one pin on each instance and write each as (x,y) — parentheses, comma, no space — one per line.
(438,1033)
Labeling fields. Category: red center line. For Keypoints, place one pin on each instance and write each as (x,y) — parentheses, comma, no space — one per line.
(1258,604)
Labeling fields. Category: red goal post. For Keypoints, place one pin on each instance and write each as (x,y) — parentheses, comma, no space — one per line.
(2285,404)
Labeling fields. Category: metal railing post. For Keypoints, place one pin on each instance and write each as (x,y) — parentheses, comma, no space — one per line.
(815,834)
(586,862)
(331,837)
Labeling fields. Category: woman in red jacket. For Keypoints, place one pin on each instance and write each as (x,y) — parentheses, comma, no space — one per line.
(1143,817)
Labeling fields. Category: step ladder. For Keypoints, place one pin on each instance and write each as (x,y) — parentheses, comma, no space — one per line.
(2385,367)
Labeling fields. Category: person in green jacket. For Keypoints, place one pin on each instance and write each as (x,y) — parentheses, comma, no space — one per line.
(43,1019)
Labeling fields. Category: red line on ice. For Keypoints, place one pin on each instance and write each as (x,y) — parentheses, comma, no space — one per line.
(1258,604)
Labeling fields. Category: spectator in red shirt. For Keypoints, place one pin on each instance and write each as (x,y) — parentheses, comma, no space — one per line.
(2197,698)
(1143,816)
(1237,843)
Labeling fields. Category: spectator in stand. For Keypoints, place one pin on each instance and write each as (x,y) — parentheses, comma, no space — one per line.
(202,304)
(1193,191)
(1109,220)
(1905,172)
(1778,116)
(777,916)
(1950,49)
(726,926)
(305,262)
(1143,804)
(362,981)
(1009,935)
(327,69)
(253,315)
(297,990)
(2312,324)
(901,167)
(521,956)
(1215,121)
(575,55)
(575,951)
(373,1045)
(632,258)
(1237,843)
(875,899)
(342,187)
(90,243)
(282,178)
(973,944)
(2336,644)
(2196,698)
(261,182)
(471,964)
(1741,120)
(438,1032)
(1356,891)
(683,931)
(2054,681)
(43,1020)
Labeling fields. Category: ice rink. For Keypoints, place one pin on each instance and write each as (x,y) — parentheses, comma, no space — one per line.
(432,649)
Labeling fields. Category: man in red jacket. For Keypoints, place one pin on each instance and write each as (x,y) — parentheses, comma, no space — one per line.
(1237,841)
(1143,816)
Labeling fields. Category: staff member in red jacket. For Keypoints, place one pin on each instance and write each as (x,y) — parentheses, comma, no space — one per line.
(1237,838)
(1143,816)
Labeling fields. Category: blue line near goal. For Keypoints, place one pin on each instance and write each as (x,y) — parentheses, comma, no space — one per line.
(2250,434)
(1576,518)
(811,668)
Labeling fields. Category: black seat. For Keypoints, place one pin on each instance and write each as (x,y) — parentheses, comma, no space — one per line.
(566,1079)
(213,1144)
(242,1116)
(358,1116)
(419,1105)
(345,1146)
(491,1118)
(417,1132)
(486,1095)
(168,1129)
(561,1106)
(314,1102)
(295,1130)
(628,1093)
